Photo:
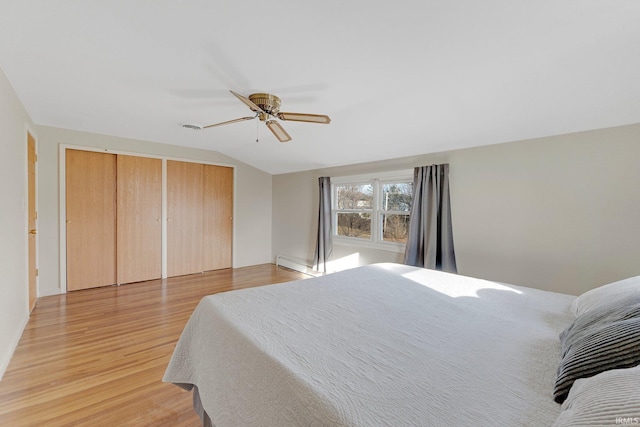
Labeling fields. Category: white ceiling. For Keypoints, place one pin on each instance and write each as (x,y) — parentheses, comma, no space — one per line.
(398,78)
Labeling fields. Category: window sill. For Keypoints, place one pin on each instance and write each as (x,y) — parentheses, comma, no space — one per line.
(381,246)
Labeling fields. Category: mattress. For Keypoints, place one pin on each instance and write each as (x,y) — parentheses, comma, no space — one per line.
(384,344)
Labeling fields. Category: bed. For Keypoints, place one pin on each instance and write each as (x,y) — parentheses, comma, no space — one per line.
(383,344)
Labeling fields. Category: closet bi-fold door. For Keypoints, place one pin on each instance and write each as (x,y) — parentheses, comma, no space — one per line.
(184,218)
(139,212)
(90,219)
(218,217)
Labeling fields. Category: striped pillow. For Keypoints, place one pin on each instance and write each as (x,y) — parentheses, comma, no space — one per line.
(597,347)
(620,309)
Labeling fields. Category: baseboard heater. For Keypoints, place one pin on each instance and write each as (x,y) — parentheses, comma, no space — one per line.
(296,264)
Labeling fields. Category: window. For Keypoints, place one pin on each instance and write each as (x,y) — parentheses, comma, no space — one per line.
(394,212)
(373,211)
(354,208)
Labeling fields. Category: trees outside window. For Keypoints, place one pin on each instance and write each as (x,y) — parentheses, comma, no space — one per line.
(354,208)
(396,205)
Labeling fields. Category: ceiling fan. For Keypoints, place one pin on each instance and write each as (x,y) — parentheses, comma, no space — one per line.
(266,108)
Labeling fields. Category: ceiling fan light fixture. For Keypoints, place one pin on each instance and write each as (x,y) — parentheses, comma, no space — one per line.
(268,103)
(278,131)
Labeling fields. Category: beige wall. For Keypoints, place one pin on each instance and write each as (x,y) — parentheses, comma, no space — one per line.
(559,213)
(14,121)
(252,218)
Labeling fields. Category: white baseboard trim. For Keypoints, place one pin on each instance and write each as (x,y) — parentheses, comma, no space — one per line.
(296,264)
(6,358)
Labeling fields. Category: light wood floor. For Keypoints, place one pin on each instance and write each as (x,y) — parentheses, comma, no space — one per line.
(96,357)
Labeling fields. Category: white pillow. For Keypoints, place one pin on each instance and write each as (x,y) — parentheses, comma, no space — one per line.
(610,398)
(606,294)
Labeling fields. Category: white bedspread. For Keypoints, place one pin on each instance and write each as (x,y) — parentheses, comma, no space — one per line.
(381,345)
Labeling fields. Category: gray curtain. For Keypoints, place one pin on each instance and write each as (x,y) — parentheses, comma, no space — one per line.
(430,240)
(323,242)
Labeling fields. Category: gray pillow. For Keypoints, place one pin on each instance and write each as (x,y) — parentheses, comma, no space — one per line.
(604,338)
(603,400)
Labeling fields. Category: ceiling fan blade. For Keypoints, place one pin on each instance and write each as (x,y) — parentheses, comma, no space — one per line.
(303,117)
(248,102)
(229,122)
(278,131)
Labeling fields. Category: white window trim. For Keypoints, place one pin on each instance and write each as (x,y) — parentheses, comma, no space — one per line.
(376,180)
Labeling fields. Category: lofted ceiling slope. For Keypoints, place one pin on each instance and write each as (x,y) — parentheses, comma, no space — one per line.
(397,78)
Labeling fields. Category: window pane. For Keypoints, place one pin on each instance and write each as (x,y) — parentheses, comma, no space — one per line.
(397,196)
(354,225)
(359,196)
(395,228)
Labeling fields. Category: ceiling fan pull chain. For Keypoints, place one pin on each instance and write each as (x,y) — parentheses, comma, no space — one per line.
(257,130)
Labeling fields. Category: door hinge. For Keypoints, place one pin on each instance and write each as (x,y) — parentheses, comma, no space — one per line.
(37,272)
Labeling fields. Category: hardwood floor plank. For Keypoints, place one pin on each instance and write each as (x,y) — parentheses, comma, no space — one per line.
(97,356)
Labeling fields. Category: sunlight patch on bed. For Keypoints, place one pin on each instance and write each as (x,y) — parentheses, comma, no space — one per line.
(458,286)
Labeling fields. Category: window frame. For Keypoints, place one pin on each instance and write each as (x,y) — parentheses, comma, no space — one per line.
(377,181)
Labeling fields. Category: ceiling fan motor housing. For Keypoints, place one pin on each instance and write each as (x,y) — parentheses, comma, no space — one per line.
(268,103)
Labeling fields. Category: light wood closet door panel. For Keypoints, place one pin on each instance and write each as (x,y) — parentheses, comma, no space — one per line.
(32,217)
(139,212)
(184,218)
(91,219)
(218,213)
